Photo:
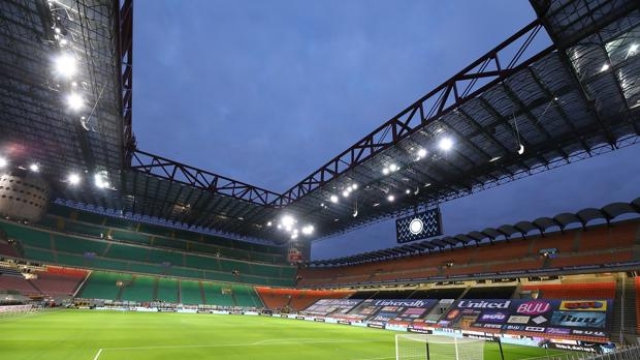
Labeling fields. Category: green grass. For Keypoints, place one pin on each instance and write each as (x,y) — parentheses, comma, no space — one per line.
(80,334)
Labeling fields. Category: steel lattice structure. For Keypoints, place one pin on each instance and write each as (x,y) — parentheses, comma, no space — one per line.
(575,96)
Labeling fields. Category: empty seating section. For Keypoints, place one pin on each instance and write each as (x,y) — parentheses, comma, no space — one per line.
(604,238)
(274,299)
(168,290)
(130,237)
(165,256)
(564,242)
(17,283)
(201,262)
(127,252)
(39,255)
(77,245)
(26,235)
(637,284)
(7,250)
(104,285)
(191,293)
(586,290)
(246,296)
(215,296)
(83,229)
(591,259)
(58,283)
(169,243)
(515,249)
(140,289)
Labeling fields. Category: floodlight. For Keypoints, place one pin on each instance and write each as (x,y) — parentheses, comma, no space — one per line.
(34,167)
(520,149)
(74,179)
(307,230)
(408,191)
(75,101)
(288,221)
(633,49)
(422,153)
(446,144)
(63,41)
(294,236)
(269,223)
(345,193)
(391,198)
(385,171)
(354,186)
(65,65)
(393,167)
(604,67)
(334,199)
(3,162)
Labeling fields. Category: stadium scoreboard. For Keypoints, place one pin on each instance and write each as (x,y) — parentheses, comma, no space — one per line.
(419,226)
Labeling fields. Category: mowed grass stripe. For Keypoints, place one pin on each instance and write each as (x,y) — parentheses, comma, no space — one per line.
(79,335)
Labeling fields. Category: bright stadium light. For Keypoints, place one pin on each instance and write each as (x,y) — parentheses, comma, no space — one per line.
(34,167)
(446,144)
(354,186)
(422,153)
(307,230)
(334,199)
(75,101)
(288,221)
(65,65)
(269,223)
(345,193)
(391,198)
(385,171)
(74,179)
(604,67)
(633,49)
(3,162)
(393,167)
(408,191)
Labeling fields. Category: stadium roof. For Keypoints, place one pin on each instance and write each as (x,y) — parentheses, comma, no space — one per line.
(514,112)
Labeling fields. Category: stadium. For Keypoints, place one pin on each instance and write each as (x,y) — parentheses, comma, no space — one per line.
(110,251)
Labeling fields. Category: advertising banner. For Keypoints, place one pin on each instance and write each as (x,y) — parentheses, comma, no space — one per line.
(392,310)
(553,317)
(328,307)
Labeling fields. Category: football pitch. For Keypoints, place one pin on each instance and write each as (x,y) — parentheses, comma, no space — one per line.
(106,335)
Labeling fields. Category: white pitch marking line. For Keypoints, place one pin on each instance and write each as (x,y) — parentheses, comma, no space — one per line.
(378,358)
(259,343)
(97,355)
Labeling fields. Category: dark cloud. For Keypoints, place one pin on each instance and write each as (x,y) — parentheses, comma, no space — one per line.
(268,91)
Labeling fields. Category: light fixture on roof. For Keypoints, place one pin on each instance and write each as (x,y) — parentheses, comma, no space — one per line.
(294,236)
(101,180)
(74,179)
(421,153)
(287,221)
(354,186)
(391,198)
(520,149)
(604,67)
(446,143)
(65,65)
(385,171)
(75,101)
(393,167)
(345,193)
(633,49)
(269,223)
(408,191)
(307,230)
(3,162)
(334,199)
(495,158)
(34,167)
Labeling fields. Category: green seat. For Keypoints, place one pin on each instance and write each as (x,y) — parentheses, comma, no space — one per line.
(168,290)
(36,254)
(158,256)
(130,236)
(213,293)
(140,290)
(103,285)
(190,292)
(127,252)
(76,245)
(27,236)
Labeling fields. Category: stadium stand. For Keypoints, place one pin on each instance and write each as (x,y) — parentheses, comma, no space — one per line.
(590,290)
(191,292)
(217,294)
(142,288)
(166,290)
(8,250)
(104,285)
(59,281)
(18,284)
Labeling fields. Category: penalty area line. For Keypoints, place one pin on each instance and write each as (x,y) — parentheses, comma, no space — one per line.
(97,355)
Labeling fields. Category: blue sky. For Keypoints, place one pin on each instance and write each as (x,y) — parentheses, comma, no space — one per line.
(267,91)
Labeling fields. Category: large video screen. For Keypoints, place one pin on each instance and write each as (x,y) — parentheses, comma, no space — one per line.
(560,317)
(419,226)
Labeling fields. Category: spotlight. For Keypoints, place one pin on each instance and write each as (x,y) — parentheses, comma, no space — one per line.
(307,230)
(65,65)
(294,236)
(407,191)
(604,67)
(385,171)
(446,144)
(34,167)
(3,162)
(633,49)
(520,149)
(74,179)
(287,221)
(345,193)
(354,186)
(422,153)
(269,223)
(334,199)
(75,101)
(391,198)
(393,167)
